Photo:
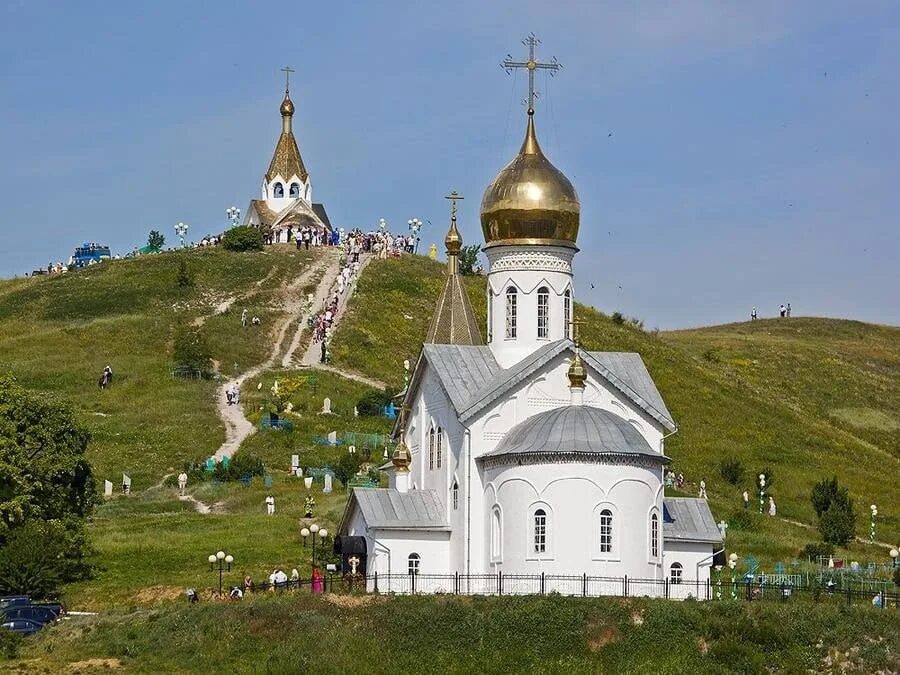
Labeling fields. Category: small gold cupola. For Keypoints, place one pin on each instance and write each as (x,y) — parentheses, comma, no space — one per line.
(577,374)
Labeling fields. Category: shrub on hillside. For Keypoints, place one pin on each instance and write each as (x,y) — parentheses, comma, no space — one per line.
(242,464)
(9,644)
(732,470)
(39,557)
(834,507)
(618,318)
(744,520)
(183,279)
(816,550)
(373,403)
(190,351)
(468,260)
(242,238)
(347,467)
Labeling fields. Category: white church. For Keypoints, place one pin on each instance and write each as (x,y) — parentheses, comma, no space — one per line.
(285,205)
(526,455)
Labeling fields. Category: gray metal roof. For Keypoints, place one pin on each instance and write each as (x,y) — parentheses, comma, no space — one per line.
(473,379)
(385,508)
(689,519)
(574,428)
(462,369)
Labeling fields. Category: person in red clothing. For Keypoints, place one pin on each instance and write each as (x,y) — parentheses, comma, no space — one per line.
(318,581)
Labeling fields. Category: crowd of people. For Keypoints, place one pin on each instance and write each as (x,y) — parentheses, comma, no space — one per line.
(784,311)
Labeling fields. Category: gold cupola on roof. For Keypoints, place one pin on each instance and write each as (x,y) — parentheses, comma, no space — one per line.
(530,201)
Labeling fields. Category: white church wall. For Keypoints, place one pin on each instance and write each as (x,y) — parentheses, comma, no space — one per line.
(393,548)
(527,269)
(695,560)
(572,495)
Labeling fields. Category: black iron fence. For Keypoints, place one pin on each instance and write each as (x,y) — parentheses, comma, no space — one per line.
(583,585)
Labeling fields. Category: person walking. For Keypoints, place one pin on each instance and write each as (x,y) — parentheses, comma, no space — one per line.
(788,310)
(772,506)
(702,489)
(182,482)
(753,314)
(746,500)
(244,318)
(270,505)
(782,311)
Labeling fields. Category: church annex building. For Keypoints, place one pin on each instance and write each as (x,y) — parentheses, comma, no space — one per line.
(527,458)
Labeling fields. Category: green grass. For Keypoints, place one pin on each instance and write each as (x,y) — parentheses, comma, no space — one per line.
(771,393)
(297,632)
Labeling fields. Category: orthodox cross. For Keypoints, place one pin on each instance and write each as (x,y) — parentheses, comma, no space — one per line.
(287,70)
(453,197)
(575,323)
(531,65)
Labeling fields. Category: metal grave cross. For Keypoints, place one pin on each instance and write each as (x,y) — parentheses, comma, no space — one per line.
(530,65)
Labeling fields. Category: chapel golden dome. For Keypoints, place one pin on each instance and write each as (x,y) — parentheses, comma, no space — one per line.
(577,374)
(402,457)
(453,240)
(287,106)
(530,201)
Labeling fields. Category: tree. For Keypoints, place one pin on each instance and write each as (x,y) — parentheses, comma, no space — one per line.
(183,279)
(46,490)
(347,467)
(156,239)
(190,350)
(834,507)
(468,260)
(242,238)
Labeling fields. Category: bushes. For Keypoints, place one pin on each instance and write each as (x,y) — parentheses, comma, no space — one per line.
(242,238)
(373,403)
(732,470)
(347,467)
(39,557)
(190,351)
(744,520)
(183,279)
(834,507)
(817,550)
(9,644)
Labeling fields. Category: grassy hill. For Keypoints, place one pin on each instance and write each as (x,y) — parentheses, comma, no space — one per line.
(804,398)
(296,632)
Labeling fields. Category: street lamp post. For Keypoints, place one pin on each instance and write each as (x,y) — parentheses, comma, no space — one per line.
(310,535)
(234,215)
(382,225)
(762,491)
(181,230)
(224,561)
(874,510)
(894,554)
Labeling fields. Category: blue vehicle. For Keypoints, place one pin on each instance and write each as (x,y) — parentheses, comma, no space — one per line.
(14,601)
(22,626)
(88,254)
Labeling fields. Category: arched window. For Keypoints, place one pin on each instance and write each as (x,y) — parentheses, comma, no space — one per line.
(540,531)
(431,449)
(454,495)
(654,535)
(413,564)
(606,531)
(496,535)
(543,312)
(439,446)
(295,190)
(278,191)
(567,312)
(511,312)
(675,573)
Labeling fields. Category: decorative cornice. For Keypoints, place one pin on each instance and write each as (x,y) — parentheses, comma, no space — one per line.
(610,458)
(531,260)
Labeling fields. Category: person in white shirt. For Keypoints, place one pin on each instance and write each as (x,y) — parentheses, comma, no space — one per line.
(270,505)
(182,481)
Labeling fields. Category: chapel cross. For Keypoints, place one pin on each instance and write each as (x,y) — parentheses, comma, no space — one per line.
(453,197)
(575,323)
(287,70)
(531,65)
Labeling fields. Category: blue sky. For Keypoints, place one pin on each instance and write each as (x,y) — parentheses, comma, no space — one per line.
(754,156)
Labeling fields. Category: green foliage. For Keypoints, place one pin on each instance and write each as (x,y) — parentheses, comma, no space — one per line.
(617,318)
(190,351)
(746,520)
(816,550)
(834,508)
(9,644)
(373,403)
(242,464)
(184,279)
(242,238)
(156,239)
(347,467)
(732,470)
(711,356)
(468,260)
(38,557)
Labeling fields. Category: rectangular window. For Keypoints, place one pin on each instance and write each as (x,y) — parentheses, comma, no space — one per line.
(431,449)
(439,448)
(540,531)
(511,311)
(605,531)
(543,313)
(567,311)
(654,536)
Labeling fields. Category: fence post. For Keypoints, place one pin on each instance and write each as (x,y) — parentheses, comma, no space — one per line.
(666,583)
(749,593)
(376,581)
(584,585)
(542,583)
(456,582)
(499,582)
(626,586)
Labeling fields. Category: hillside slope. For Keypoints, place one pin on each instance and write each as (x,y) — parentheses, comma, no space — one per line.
(806,399)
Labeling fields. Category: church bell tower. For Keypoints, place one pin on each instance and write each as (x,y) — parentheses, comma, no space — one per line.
(530,216)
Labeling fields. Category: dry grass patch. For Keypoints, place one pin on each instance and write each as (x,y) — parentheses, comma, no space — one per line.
(599,635)
(350,601)
(152,594)
(91,665)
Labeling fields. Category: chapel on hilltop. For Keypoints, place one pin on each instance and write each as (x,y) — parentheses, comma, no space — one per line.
(285,205)
(522,456)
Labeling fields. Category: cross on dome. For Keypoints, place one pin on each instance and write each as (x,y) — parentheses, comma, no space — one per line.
(531,65)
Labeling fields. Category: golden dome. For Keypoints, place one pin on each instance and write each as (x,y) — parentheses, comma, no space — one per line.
(287,106)
(453,240)
(577,374)
(402,457)
(530,201)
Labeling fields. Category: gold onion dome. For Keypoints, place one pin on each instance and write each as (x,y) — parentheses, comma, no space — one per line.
(453,240)
(402,458)
(287,106)
(530,201)
(577,374)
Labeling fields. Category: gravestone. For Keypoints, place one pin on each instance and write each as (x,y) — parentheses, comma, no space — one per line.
(308,482)
(126,484)
(355,411)
(779,568)
(210,463)
(352,449)
(332,437)
(327,488)
(107,488)
(723,528)
(295,462)
(267,481)
(326,406)
(225,462)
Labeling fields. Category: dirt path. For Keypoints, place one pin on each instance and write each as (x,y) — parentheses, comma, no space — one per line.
(237,426)
(323,292)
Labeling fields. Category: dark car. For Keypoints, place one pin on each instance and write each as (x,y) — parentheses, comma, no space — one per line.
(14,601)
(56,607)
(22,626)
(31,612)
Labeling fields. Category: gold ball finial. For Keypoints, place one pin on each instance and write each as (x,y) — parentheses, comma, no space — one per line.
(287,107)
(577,374)
(402,458)
(453,240)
